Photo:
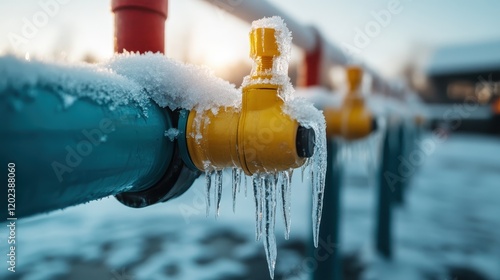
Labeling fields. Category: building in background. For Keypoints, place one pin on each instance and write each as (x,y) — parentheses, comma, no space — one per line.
(462,73)
(466,80)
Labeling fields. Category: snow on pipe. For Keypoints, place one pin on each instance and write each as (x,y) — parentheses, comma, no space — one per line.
(69,149)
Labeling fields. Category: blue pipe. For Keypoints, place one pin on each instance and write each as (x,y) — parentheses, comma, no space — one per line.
(68,156)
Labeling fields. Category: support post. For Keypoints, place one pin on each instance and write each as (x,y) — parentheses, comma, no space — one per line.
(399,185)
(383,228)
(330,260)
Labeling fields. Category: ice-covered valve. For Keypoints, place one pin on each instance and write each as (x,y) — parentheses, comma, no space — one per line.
(259,136)
(353,120)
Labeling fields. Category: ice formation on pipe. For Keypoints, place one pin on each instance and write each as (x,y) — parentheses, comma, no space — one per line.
(133,79)
(286,196)
(307,115)
(236,184)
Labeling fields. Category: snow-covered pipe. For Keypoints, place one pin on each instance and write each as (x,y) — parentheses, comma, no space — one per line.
(67,156)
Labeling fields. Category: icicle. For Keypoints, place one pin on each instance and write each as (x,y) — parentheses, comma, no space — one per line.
(286,199)
(240,172)
(317,170)
(258,206)
(208,184)
(303,169)
(262,201)
(269,223)
(236,182)
(218,193)
(311,173)
(246,186)
(318,188)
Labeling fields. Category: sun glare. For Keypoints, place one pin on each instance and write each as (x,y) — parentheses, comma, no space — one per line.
(218,49)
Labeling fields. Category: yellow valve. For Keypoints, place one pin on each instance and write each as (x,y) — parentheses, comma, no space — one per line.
(353,120)
(260,137)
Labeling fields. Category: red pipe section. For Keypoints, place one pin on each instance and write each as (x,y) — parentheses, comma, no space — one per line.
(140,25)
(311,75)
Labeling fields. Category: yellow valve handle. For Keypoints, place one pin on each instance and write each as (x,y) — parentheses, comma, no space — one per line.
(354,79)
(260,137)
(263,50)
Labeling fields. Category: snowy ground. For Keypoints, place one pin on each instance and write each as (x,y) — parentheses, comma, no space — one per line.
(449,229)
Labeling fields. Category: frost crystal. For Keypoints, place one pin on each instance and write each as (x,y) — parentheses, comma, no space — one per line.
(171,133)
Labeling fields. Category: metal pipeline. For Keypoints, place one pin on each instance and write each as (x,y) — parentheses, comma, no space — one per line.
(65,157)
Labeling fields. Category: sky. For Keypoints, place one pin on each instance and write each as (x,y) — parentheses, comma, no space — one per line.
(198,32)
